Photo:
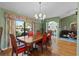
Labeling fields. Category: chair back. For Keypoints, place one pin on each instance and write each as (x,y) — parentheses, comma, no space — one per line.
(44,39)
(49,36)
(30,33)
(13,42)
(38,34)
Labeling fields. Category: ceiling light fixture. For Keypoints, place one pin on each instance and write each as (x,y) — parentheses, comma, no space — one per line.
(41,15)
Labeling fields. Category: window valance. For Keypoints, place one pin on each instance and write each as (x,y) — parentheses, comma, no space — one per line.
(13,16)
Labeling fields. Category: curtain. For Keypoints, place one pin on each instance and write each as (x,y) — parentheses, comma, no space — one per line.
(11,24)
(10,27)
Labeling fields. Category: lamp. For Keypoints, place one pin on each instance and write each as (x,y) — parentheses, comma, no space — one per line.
(40,15)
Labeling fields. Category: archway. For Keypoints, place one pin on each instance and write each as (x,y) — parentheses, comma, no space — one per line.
(53,26)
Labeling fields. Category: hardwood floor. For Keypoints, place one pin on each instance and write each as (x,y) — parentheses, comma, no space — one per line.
(64,49)
(45,52)
(6,52)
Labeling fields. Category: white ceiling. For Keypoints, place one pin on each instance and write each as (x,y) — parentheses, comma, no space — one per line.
(52,9)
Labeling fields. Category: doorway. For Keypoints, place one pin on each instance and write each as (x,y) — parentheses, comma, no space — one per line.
(53,26)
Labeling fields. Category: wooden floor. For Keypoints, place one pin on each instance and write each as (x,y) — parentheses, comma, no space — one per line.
(64,49)
(45,52)
(6,52)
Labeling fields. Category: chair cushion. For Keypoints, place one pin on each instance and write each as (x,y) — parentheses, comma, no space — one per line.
(44,38)
(30,34)
(21,49)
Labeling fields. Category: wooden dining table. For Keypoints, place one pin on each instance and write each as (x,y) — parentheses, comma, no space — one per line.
(29,40)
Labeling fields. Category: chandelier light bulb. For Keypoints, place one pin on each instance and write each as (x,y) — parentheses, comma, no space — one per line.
(44,16)
(36,16)
(40,15)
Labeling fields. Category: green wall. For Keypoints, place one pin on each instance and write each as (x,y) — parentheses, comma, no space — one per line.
(67,21)
(3,24)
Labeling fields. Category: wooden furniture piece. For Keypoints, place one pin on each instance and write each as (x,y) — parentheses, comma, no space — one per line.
(15,48)
(6,52)
(49,34)
(43,42)
(29,40)
(38,33)
(30,34)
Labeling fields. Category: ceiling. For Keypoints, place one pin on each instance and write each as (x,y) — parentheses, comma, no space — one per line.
(52,9)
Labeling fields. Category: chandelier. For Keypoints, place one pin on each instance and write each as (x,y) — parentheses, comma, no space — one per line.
(41,15)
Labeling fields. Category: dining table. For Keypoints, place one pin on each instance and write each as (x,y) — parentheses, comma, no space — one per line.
(30,41)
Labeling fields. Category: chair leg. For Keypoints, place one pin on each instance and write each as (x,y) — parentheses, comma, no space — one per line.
(42,48)
(46,45)
(16,54)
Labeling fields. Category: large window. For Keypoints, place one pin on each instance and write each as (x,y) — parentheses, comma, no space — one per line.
(22,28)
(19,27)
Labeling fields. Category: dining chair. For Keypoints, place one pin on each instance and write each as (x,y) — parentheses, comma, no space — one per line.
(30,34)
(43,42)
(37,36)
(38,33)
(16,49)
(49,37)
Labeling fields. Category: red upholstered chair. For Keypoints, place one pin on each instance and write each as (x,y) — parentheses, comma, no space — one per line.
(30,34)
(38,34)
(49,37)
(43,42)
(15,48)
(44,39)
